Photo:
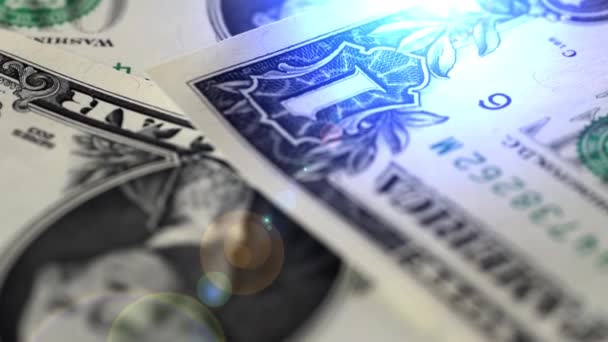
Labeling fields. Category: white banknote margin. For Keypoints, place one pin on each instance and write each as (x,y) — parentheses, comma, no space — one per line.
(426,314)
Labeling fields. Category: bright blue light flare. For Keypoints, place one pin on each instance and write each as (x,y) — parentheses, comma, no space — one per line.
(438,7)
(214,289)
(449,7)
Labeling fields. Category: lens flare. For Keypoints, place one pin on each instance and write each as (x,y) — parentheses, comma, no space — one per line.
(449,7)
(249,252)
(331,132)
(166,317)
(214,289)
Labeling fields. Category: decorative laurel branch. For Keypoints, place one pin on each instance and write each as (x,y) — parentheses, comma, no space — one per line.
(435,41)
(353,142)
(356,145)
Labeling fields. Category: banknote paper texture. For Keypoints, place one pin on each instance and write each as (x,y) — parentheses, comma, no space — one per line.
(454,150)
(133,35)
(108,210)
(126,35)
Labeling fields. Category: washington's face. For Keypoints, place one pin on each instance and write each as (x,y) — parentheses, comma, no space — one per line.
(82,303)
(165,318)
(209,191)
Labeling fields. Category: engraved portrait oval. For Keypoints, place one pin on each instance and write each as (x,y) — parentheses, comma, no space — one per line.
(231,17)
(579,10)
(92,264)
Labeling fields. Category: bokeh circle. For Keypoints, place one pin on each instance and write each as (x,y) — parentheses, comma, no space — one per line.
(246,248)
(214,289)
(166,317)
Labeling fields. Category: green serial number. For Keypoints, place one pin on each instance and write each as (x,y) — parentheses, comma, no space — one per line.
(559,225)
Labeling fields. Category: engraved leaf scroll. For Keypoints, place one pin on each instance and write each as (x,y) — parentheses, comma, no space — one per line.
(435,40)
(33,85)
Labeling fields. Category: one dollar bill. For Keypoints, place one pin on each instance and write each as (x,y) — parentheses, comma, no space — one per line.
(455,151)
(112,212)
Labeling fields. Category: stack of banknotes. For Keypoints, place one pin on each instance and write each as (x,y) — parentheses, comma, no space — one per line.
(304,170)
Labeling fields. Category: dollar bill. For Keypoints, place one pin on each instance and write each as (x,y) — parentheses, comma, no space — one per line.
(121,222)
(455,151)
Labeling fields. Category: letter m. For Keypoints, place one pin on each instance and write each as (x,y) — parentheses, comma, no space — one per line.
(446,146)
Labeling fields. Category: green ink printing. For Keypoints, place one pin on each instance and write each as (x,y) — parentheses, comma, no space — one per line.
(593,147)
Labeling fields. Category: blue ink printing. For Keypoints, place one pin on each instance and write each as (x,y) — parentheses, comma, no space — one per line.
(331,104)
